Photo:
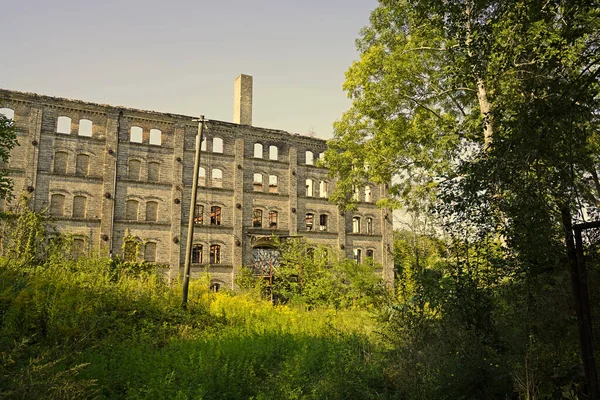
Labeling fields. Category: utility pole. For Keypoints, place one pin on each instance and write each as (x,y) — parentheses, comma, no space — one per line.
(190,234)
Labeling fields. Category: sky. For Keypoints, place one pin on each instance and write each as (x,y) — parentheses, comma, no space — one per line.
(182,56)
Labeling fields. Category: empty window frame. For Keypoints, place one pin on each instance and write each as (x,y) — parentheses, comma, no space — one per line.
(203,144)
(134,169)
(215,254)
(357,255)
(199,214)
(273,183)
(355,194)
(215,287)
(323,189)
(150,252)
(310,220)
(63,125)
(309,188)
(197,254)
(273,219)
(309,158)
(82,164)
(155,137)
(131,210)
(369,225)
(371,254)
(355,224)
(257,182)
(217,145)
(273,153)
(217,178)
(153,171)
(152,211)
(258,150)
(323,222)
(136,134)
(85,128)
(368,194)
(8,113)
(79,206)
(201,176)
(215,215)
(57,205)
(60,162)
(257,218)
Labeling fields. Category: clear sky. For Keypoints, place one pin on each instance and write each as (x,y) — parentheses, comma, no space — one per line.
(183,56)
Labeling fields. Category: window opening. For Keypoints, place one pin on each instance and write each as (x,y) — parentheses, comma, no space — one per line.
(258,182)
(368,195)
(63,125)
(199,214)
(134,170)
(217,145)
(131,210)
(215,215)
(215,254)
(323,189)
(82,164)
(201,176)
(153,171)
(152,211)
(273,219)
(8,113)
(357,254)
(258,150)
(323,222)
(79,205)
(370,254)
(197,254)
(257,219)
(273,153)
(370,226)
(309,188)
(309,221)
(155,137)
(217,178)
(310,157)
(150,252)
(85,127)
(57,205)
(272,183)
(136,134)
(60,162)
(356,225)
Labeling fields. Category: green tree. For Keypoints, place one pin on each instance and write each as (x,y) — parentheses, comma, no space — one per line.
(8,140)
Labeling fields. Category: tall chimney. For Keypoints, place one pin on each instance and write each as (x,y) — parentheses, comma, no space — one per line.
(242,102)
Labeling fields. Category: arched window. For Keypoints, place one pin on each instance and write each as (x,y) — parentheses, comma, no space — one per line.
(217,145)
(355,194)
(201,176)
(153,171)
(152,211)
(309,158)
(355,224)
(155,137)
(199,214)
(63,125)
(309,188)
(258,182)
(82,164)
(217,178)
(60,162)
(131,210)
(203,144)
(323,189)
(273,219)
(321,156)
(57,205)
(370,254)
(215,287)
(215,254)
(134,170)
(85,128)
(150,252)
(197,254)
(272,183)
(357,255)
(79,206)
(323,222)
(215,215)
(8,113)
(369,225)
(258,150)
(310,220)
(368,195)
(273,153)
(136,134)
(257,218)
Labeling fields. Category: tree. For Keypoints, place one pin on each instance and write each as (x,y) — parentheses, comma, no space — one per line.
(487,111)
(8,140)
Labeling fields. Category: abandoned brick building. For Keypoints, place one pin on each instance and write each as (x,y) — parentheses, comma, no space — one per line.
(107,172)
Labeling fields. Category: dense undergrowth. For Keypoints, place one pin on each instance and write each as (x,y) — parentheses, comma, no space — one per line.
(82,329)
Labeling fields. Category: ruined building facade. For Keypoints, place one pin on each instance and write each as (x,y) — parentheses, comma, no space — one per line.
(106,172)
